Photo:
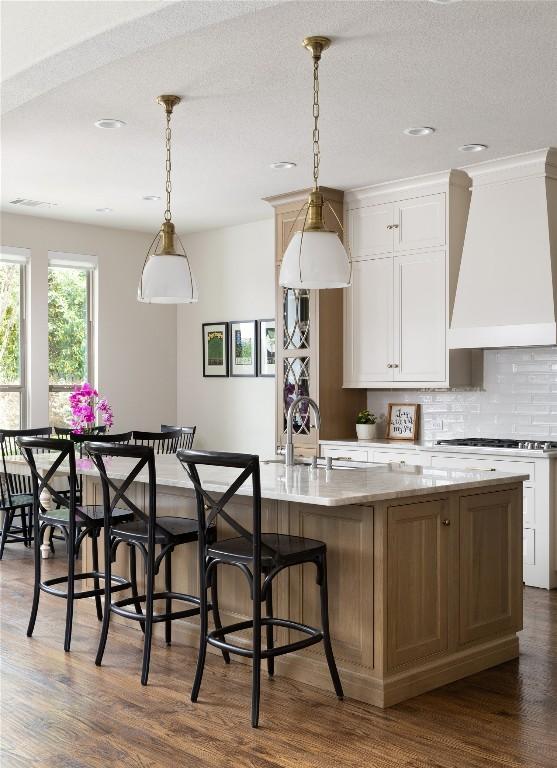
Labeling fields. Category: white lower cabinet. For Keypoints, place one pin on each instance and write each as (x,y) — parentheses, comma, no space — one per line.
(413,458)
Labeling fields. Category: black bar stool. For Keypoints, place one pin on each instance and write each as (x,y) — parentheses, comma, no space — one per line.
(144,533)
(186,438)
(16,491)
(75,522)
(256,554)
(160,442)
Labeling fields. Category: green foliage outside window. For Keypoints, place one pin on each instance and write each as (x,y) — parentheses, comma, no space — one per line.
(9,323)
(67,326)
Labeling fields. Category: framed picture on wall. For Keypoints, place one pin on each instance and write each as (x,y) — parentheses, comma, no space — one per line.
(215,349)
(266,347)
(243,348)
(403,421)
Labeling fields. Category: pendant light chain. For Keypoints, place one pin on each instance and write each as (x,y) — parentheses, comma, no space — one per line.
(316,150)
(168,137)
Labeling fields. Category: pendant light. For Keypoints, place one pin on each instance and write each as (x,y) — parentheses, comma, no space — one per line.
(315,257)
(167,277)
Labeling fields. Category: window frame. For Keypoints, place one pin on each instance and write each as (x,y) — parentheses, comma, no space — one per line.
(22,386)
(90,270)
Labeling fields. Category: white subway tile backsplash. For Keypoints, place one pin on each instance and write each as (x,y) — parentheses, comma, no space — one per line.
(520,398)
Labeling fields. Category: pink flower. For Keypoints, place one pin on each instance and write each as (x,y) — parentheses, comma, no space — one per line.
(85,410)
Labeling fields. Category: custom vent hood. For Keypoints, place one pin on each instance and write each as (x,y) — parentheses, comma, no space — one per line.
(506,294)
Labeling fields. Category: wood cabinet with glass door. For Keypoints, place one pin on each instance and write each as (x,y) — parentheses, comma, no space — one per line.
(309,340)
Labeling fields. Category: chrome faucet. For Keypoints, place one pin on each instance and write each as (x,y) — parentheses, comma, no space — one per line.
(289,448)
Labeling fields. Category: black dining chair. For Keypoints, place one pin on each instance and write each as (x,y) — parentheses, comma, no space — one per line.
(69,432)
(145,532)
(260,557)
(16,491)
(76,522)
(160,442)
(186,438)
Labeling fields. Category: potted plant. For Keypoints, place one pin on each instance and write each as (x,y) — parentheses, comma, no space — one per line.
(366,425)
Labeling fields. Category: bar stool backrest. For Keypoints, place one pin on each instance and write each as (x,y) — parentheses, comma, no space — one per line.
(115,493)
(12,483)
(160,442)
(186,438)
(56,450)
(210,509)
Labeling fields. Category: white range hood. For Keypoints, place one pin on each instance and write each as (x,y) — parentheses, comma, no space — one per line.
(506,293)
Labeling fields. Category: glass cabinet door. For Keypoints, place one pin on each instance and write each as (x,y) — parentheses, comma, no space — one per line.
(295,384)
(295,318)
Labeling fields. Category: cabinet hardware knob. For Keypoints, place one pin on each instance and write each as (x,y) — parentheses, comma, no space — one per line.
(390,226)
(446,521)
(394,365)
(394,226)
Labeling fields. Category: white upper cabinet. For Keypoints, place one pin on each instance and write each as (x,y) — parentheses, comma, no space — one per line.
(367,354)
(370,230)
(419,317)
(406,242)
(419,223)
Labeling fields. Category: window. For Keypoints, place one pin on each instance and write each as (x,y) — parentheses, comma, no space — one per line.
(70,335)
(13,394)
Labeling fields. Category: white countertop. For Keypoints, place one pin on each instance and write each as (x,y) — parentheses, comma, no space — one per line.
(337,487)
(419,445)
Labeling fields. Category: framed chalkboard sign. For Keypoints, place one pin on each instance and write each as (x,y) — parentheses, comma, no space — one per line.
(403,421)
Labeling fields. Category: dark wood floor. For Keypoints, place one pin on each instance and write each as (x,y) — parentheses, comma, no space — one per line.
(60,711)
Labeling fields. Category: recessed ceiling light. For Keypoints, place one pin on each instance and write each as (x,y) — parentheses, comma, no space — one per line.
(419,130)
(104,210)
(283,164)
(151,197)
(109,122)
(473,147)
(443,2)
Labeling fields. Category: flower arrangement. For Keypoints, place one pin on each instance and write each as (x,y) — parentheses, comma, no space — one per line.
(365,417)
(86,406)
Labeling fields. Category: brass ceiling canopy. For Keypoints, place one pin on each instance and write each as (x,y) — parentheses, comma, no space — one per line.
(316,45)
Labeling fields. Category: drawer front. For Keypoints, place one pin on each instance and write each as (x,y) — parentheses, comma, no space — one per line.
(347,454)
(400,457)
(475,463)
(529,546)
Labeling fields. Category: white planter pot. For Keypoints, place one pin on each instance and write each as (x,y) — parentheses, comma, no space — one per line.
(366,431)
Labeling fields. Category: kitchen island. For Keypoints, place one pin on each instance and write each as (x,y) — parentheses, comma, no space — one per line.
(424,567)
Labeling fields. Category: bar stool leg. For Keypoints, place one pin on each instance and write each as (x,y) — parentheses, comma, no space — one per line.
(324,595)
(70,591)
(256,670)
(148,619)
(107,597)
(133,582)
(96,583)
(24,533)
(216,613)
(37,583)
(168,588)
(270,639)
(203,629)
(8,519)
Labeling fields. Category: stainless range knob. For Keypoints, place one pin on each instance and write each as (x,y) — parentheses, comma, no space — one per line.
(547,446)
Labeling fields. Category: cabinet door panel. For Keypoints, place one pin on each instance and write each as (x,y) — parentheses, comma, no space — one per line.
(421,223)
(368,325)
(420,317)
(417,581)
(490,553)
(370,230)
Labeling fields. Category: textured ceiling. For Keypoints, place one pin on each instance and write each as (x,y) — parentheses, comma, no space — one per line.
(477,71)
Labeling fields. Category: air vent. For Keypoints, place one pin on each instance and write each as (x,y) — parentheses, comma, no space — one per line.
(31,203)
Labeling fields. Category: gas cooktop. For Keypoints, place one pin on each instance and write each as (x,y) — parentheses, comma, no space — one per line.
(489,442)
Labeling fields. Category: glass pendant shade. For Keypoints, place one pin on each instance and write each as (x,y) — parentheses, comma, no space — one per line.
(167,277)
(315,260)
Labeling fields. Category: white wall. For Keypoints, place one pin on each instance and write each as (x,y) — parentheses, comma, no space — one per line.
(519,399)
(136,366)
(234,267)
